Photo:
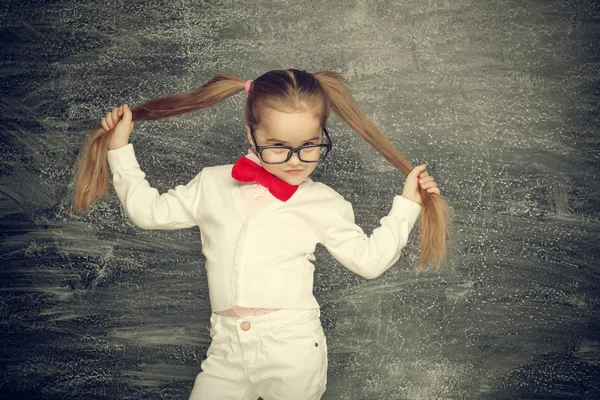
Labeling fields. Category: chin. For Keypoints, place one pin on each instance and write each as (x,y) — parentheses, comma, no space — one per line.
(296,180)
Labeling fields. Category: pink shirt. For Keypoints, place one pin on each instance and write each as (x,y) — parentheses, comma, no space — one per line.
(255,196)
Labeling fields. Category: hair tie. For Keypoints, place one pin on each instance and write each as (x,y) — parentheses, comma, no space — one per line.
(248,82)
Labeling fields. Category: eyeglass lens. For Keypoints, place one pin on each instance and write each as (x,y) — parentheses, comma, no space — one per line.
(306,154)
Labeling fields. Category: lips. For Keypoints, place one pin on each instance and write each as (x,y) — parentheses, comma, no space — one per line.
(293,171)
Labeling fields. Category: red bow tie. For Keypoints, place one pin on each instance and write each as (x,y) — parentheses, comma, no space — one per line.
(246,170)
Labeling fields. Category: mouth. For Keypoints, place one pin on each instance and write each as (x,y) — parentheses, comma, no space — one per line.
(293,171)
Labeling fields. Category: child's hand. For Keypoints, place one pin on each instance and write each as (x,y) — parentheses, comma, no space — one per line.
(119,121)
(418,176)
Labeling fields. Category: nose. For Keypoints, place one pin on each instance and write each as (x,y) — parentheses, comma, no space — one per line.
(295,158)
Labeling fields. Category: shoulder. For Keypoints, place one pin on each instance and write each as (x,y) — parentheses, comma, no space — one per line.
(322,193)
(326,207)
(215,178)
(219,168)
(217,171)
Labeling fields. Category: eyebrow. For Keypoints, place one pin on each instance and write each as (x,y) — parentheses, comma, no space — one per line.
(283,141)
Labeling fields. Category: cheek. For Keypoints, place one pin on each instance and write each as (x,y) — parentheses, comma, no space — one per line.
(311,169)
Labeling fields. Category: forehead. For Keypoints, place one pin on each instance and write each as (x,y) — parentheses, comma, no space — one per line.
(289,126)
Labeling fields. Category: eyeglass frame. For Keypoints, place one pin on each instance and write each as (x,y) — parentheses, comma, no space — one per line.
(259,149)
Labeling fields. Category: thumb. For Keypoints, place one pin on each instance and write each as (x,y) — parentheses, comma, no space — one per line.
(127,115)
(126,120)
(418,169)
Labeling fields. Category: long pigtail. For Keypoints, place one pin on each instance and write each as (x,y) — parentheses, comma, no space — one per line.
(92,170)
(436,215)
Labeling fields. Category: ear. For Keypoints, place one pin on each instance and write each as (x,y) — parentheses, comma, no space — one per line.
(248,134)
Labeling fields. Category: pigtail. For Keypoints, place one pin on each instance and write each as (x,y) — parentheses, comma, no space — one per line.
(435,216)
(92,168)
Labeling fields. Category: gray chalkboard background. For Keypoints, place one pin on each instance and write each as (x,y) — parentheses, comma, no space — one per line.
(500,98)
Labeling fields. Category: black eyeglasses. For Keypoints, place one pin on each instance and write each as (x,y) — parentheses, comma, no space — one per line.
(281,154)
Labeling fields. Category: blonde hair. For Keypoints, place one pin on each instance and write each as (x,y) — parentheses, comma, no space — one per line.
(281,90)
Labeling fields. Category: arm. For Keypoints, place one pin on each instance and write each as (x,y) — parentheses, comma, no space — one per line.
(148,209)
(370,256)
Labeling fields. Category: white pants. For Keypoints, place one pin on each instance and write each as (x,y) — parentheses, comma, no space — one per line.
(279,355)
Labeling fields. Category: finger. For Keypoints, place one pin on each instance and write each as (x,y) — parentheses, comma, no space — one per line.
(104,126)
(115,117)
(428,185)
(108,119)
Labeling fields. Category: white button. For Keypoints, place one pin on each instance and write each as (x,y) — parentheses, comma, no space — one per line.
(236,268)
(257,198)
(245,223)
(235,293)
(239,246)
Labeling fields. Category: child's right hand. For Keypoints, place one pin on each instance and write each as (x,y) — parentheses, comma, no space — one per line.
(119,121)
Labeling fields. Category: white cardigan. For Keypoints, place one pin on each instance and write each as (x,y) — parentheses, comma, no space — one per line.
(265,260)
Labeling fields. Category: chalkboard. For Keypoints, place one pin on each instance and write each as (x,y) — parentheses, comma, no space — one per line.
(500,99)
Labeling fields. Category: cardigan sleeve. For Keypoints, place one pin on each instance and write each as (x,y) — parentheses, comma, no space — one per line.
(370,256)
(175,209)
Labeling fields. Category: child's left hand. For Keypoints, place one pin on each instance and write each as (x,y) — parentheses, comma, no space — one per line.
(419,177)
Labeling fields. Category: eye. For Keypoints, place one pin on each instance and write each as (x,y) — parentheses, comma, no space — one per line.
(307,143)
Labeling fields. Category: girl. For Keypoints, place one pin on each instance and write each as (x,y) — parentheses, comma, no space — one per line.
(260,220)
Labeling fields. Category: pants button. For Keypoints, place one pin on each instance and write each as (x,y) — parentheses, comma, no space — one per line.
(245,325)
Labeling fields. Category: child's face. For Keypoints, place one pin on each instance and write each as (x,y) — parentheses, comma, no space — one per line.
(294,129)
